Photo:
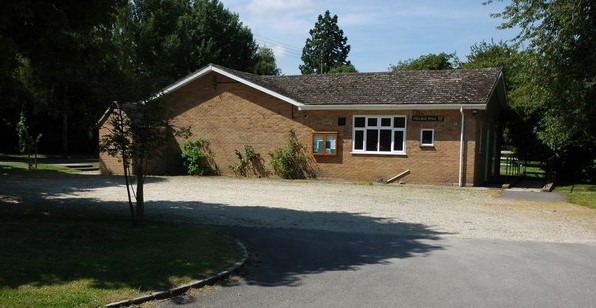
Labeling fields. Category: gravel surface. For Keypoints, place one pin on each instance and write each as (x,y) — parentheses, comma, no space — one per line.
(419,211)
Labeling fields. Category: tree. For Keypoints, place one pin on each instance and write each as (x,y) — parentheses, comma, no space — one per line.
(138,132)
(431,61)
(521,115)
(52,42)
(348,68)
(326,48)
(266,62)
(561,78)
(159,42)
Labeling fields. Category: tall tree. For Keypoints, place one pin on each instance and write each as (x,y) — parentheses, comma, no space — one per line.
(266,62)
(521,115)
(326,48)
(51,43)
(442,61)
(560,38)
(165,40)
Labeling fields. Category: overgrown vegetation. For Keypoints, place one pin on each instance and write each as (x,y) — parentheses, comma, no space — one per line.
(292,161)
(198,159)
(50,261)
(249,163)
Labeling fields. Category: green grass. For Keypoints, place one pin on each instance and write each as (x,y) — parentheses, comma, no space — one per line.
(90,261)
(580,194)
(22,170)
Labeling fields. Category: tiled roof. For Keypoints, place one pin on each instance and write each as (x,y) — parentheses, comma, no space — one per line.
(472,86)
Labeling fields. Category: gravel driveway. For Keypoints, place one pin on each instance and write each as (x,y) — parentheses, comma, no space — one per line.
(408,210)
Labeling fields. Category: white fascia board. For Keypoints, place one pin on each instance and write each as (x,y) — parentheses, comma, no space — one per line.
(395,107)
(184,81)
(258,87)
(211,68)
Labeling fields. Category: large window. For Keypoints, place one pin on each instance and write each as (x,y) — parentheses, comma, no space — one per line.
(379,135)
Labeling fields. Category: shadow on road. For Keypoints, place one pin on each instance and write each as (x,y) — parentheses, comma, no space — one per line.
(287,243)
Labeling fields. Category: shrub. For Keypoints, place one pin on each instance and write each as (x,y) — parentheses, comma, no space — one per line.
(292,161)
(250,162)
(198,159)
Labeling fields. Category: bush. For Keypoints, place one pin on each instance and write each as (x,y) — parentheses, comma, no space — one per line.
(292,161)
(250,162)
(198,159)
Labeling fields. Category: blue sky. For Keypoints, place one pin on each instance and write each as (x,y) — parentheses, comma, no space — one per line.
(380,32)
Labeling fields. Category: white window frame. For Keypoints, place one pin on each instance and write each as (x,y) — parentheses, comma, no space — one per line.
(432,142)
(379,127)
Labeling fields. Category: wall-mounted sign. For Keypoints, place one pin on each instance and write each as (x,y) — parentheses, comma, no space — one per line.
(428,118)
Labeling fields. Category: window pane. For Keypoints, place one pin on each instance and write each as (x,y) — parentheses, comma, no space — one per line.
(359,122)
(386,122)
(372,139)
(359,140)
(399,122)
(317,146)
(372,121)
(427,136)
(398,141)
(385,142)
(330,144)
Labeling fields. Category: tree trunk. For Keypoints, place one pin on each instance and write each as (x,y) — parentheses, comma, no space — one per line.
(65,123)
(140,174)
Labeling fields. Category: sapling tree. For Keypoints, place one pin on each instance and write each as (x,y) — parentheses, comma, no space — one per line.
(27,142)
(137,135)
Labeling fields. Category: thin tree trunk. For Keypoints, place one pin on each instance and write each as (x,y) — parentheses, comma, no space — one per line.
(65,123)
(140,173)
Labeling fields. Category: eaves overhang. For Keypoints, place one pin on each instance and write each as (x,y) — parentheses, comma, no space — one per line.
(395,107)
(211,68)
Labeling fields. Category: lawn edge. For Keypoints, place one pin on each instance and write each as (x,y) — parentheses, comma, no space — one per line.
(185,287)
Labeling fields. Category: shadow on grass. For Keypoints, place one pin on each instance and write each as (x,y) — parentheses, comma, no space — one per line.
(281,238)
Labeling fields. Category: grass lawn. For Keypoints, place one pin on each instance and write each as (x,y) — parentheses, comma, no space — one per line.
(49,261)
(581,194)
(85,259)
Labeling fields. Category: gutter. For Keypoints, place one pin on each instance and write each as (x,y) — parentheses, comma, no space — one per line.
(481,106)
(461,148)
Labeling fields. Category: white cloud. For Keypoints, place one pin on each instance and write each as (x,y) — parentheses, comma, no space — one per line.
(261,7)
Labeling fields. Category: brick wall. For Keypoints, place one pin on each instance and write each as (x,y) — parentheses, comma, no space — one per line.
(230,115)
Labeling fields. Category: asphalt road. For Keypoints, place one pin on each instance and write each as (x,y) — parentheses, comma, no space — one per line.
(301,268)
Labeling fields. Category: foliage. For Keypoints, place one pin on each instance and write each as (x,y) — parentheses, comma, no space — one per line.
(561,77)
(292,161)
(348,68)
(198,159)
(521,115)
(431,61)
(266,62)
(90,259)
(27,143)
(166,40)
(137,135)
(250,162)
(326,48)
(71,58)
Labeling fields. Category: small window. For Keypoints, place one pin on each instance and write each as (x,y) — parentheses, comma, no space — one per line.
(324,143)
(341,121)
(427,137)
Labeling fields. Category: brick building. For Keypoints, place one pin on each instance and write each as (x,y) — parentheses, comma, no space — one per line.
(432,127)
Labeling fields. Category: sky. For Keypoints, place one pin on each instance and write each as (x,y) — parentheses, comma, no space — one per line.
(380,32)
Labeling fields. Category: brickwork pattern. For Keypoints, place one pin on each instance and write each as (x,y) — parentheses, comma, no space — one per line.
(230,115)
